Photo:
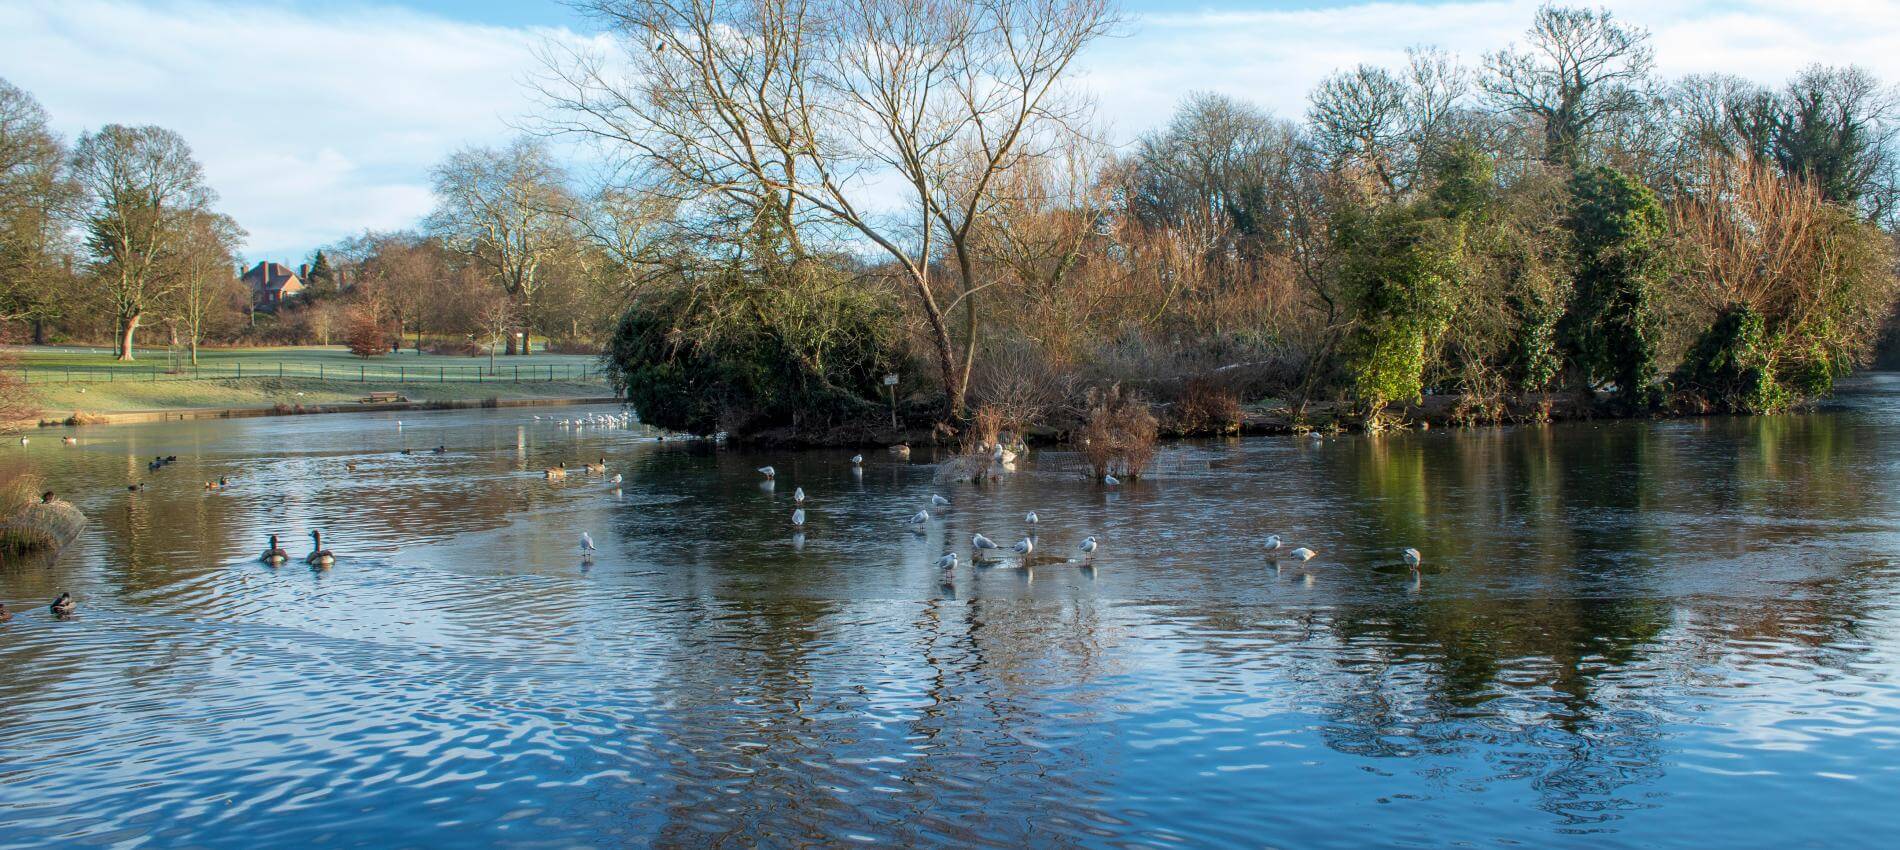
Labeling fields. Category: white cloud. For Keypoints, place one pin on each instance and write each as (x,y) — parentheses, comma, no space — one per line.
(310,127)
(315,126)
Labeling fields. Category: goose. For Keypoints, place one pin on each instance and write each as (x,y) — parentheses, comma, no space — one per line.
(979,542)
(798,495)
(857,460)
(274,554)
(171,458)
(919,518)
(598,468)
(1024,546)
(64,606)
(1412,557)
(768,472)
(5,615)
(1302,554)
(948,561)
(441,449)
(901,450)
(319,556)
(938,501)
(1088,547)
(1031,518)
(22,441)
(134,488)
(71,441)
(1272,542)
(1110,480)
(798,518)
(558,470)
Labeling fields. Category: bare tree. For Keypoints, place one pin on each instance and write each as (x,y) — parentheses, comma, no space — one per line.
(791,110)
(1579,68)
(202,272)
(143,188)
(36,198)
(508,209)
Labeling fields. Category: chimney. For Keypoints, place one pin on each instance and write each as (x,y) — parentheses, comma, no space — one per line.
(303,272)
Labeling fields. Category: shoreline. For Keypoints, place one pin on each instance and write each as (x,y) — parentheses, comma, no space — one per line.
(133,417)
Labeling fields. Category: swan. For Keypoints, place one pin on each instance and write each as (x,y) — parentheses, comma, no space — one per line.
(919,518)
(1088,547)
(1031,518)
(1025,546)
(768,472)
(1272,542)
(798,495)
(1302,554)
(275,554)
(798,517)
(1411,556)
(948,561)
(64,606)
(938,501)
(319,556)
(979,542)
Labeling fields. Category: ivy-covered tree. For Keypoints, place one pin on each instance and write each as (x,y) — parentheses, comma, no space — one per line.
(1611,331)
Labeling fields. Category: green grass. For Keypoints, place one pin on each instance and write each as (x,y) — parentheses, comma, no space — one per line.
(36,357)
(58,401)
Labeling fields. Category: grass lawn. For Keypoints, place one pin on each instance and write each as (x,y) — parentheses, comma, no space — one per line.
(61,400)
(54,356)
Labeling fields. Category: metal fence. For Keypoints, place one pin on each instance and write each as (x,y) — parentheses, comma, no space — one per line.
(501,373)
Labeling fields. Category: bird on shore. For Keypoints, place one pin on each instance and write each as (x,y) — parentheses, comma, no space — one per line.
(319,556)
(1302,554)
(939,501)
(274,554)
(1272,542)
(768,472)
(798,518)
(1088,547)
(64,606)
(1412,557)
(798,495)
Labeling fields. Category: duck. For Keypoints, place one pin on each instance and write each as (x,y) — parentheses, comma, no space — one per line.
(598,468)
(134,488)
(1088,547)
(48,497)
(5,615)
(979,542)
(558,470)
(274,554)
(768,472)
(798,495)
(1272,542)
(1302,554)
(319,556)
(939,501)
(1031,518)
(441,449)
(211,485)
(1412,557)
(69,440)
(798,518)
(64,606)
(171,458)
(948,561)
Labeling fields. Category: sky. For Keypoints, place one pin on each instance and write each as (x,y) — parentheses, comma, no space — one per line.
(318,119)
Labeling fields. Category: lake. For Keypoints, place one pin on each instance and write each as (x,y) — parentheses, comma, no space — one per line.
(1629,634)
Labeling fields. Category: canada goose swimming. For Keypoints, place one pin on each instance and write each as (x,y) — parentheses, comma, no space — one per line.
(598,468)
(134,488)
(441,449)
(1412,557)
(948,561)
(64,606)
(319,556)
(274,554)
(901,450)
(798,518)
(558,470)
(1302,554)
(857,460)
(1272,542)
(1110,480)
(768,472)
(403,452)
(979,542)
(1024,546)
(71,441)
(1031,518)
(798,495)
(939,501)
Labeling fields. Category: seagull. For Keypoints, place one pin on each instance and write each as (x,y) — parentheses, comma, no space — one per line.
(768,472)
(857,460)
(1031,518)
(938,501)
(948,561)
(1412,557)
(587,542)
(1272,542)
(919,518)
(798,495)
(798,517)
(979,542)
(1110,480)
(616,478)
(1024,546)
(1302,554)
(1088,547)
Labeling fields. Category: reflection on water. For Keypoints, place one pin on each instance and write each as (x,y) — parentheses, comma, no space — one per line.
(1637,634)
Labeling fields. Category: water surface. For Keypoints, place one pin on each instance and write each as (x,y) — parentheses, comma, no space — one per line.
(1654,634)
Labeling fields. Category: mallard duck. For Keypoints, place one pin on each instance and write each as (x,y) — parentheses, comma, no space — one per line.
(64,606)
(48,497)
(319,556)
(558,470)
(274,554)
(134,488)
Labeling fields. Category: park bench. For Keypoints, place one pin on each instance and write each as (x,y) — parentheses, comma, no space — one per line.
(374,398)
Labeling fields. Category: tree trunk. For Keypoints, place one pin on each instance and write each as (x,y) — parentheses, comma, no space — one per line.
(39,331)
(127,325)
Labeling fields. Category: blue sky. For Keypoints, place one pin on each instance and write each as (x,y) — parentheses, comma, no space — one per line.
(316,119)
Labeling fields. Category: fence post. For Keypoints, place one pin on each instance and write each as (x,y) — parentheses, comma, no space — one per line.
(240,369)
(280,368)
(517,370)
(319,371)
(441,374)
(402,374)
(360,370)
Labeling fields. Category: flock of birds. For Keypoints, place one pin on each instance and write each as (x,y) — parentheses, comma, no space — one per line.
(983,550)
